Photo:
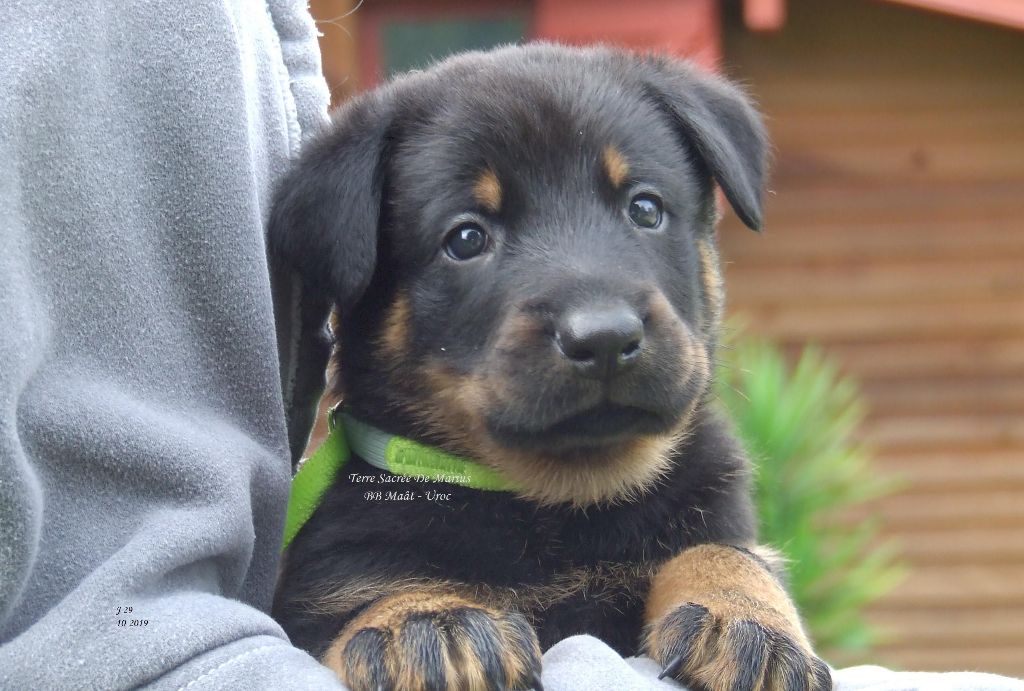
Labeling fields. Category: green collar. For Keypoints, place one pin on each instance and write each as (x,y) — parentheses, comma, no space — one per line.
(396,455)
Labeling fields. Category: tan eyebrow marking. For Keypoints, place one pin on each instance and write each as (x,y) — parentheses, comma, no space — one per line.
(615,165)
(487,191)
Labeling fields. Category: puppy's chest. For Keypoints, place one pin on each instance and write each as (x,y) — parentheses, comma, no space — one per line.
(570,572)
(495,538)
(573,576)
(605,600)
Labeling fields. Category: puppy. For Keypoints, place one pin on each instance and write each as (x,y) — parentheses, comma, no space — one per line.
(519,250)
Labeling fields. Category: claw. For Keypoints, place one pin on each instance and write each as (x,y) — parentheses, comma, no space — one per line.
(671,667)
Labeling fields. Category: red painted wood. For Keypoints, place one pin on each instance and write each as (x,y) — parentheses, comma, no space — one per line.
(689,28)
(770,15)
(764,15)
(374,15)
(1005,12)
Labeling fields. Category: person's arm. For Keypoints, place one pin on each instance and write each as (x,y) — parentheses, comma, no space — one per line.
(144,464)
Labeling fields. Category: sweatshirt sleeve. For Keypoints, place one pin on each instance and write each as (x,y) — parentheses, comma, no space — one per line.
(144,464)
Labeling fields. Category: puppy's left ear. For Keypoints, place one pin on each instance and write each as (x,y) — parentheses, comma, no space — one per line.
(322,247)
(721,125)
(324,222)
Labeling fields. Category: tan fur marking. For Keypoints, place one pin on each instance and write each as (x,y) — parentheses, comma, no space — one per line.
(724,601)
(615,165)
(449,406)
(334,383)
(343,598)
(355,668)
(714,294)
(388,614)
(334,319)
(609,475)
(694,362)
(469,668)
(394,337)
(617,473)
(463,670)
(601,581)
(487,191)
(515,664)
(773,558)
(731,585)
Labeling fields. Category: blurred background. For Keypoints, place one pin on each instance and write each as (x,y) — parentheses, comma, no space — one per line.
(895,241)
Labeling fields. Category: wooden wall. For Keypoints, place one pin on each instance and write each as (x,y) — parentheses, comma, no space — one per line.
(895,237)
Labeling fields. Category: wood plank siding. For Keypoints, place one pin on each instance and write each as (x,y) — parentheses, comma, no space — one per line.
(895,237)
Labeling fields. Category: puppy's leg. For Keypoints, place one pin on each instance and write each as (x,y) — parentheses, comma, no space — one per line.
(427,640)
(718,620)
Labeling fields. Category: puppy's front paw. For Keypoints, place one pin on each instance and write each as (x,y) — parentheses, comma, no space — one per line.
(726,653)
(719,620)
(426,642)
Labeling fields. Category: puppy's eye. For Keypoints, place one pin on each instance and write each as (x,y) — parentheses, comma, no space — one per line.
(465,241)
(645,210)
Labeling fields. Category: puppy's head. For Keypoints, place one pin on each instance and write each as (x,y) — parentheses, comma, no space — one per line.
(519,248)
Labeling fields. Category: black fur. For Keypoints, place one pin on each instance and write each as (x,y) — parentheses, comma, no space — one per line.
(363,217)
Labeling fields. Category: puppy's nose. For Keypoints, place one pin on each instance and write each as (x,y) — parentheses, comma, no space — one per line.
(600,341)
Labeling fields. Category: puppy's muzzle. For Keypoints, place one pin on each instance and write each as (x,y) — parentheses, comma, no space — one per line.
(600,340)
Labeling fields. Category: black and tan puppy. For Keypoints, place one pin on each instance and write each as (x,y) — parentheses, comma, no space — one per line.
(519,246)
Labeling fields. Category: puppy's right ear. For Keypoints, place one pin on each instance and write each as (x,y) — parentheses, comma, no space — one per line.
(326,212)
(721,124)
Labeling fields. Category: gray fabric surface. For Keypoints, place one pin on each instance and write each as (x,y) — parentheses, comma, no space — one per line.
(143,454)
(872,678)
(583,663)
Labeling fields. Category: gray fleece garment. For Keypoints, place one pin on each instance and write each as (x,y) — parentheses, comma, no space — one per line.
(143,453)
